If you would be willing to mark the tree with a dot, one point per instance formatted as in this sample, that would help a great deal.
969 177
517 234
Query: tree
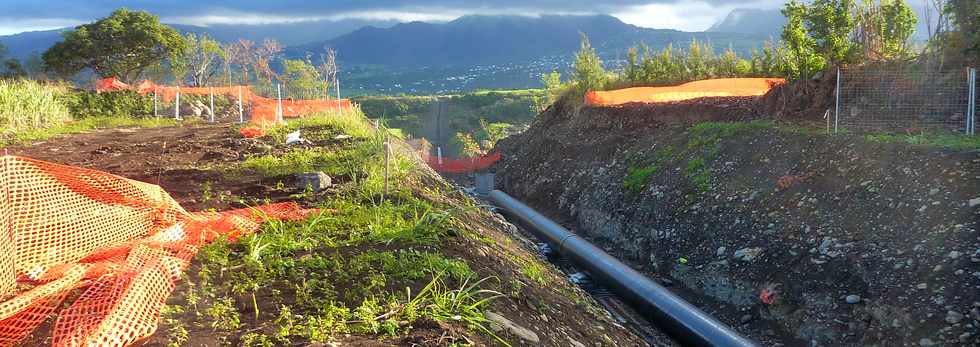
884 29
300 74
34 66
464 145
830 24
802 58
964 17
588 71
121 45
328 70
201 57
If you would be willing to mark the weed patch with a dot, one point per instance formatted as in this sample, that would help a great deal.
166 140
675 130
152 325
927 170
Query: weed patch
952 141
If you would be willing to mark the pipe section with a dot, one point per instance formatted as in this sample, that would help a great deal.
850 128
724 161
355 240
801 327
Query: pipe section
678 318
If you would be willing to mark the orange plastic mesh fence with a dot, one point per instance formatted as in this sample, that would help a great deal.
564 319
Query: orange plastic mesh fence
123 242
686 91
264 110
462 165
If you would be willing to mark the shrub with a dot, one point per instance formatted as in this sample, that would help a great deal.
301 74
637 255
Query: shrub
26 104
83 104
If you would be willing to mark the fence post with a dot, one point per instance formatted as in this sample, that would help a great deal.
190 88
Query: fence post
177 105
439 155
279 106
211 93
837 102
241 111
971 112
155 115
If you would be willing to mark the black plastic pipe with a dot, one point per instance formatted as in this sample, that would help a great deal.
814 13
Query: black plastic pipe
676 317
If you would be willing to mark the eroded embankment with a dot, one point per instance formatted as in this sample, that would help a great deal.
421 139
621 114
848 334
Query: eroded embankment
790 235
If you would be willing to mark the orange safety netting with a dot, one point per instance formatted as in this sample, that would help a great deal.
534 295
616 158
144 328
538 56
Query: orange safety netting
110 84
122 243
264 110
462 165
686 91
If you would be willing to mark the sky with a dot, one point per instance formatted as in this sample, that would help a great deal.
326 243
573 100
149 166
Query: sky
688 15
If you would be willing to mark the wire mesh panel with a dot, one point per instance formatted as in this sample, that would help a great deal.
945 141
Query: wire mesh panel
904 98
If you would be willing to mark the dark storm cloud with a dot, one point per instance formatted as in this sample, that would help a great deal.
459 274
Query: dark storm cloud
89 9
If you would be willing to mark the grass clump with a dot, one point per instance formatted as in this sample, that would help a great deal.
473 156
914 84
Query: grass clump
26 104
638 175
637 178
952 141
704 143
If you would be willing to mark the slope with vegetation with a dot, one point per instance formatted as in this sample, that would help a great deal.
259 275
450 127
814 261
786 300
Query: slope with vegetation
398 256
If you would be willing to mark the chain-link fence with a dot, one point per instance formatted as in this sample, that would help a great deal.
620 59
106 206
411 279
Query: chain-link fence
906 98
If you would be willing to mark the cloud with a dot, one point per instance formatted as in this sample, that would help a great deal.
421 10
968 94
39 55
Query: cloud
678 14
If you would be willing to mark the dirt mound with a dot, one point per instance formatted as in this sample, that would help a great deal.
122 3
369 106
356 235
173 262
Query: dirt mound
791 236
195 164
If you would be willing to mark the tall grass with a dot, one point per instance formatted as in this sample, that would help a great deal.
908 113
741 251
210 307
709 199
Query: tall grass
26 104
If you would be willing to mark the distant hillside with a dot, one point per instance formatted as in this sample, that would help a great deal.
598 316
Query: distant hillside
752 21
23 44
481 40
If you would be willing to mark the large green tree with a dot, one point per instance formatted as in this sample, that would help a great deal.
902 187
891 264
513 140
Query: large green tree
831 23
121 45
802 58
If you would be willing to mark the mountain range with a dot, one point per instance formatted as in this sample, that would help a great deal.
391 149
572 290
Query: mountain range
471 52
478 40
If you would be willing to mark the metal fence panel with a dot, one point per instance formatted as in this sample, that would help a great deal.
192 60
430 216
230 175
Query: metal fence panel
906 98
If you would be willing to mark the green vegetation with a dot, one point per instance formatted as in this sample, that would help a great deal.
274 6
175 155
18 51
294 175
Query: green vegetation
637 178
122 45
84 104
638 173
10 68
32 111
29 105
364 265
952 141
485 115
704 145
588 71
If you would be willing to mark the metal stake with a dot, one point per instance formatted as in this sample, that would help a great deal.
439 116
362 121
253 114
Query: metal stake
177 106
837 102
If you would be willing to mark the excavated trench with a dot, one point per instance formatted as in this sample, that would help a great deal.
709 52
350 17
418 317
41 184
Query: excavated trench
791 236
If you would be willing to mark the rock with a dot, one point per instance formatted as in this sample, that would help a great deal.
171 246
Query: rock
721 251
748 254
934 191
926 342
974 202
852 299
953 317
505 324
575 343
745 319
922 286
955 254
964 337
317 181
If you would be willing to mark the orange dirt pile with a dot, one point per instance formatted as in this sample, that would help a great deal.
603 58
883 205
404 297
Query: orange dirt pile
691 90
